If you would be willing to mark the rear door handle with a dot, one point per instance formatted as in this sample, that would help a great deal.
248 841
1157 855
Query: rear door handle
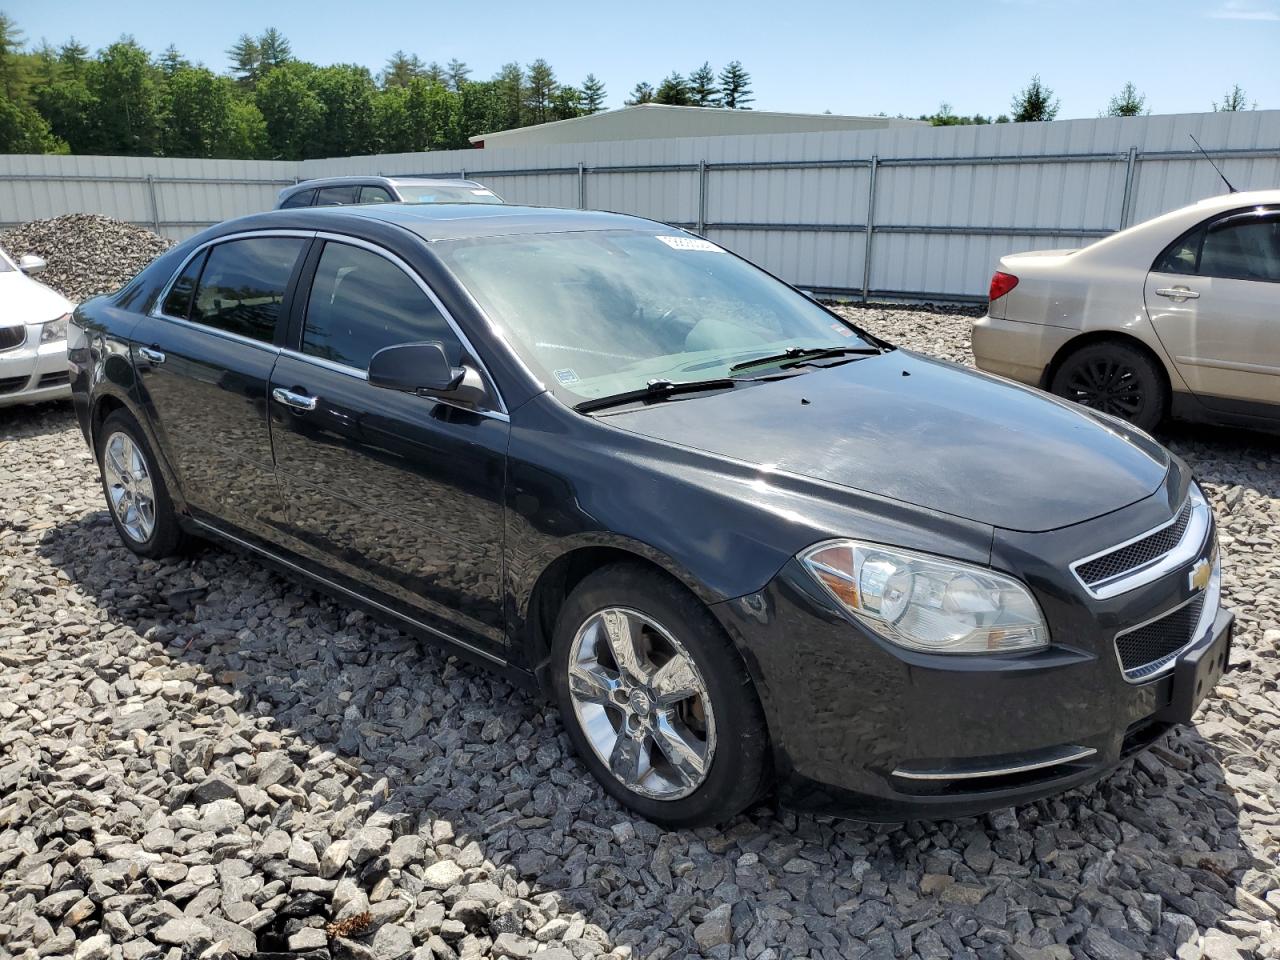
1178 293
151 355
298 401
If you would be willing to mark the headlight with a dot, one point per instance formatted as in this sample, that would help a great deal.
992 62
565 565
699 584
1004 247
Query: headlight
928 603
55 329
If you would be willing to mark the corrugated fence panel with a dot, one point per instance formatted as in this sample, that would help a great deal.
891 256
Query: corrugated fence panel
948 201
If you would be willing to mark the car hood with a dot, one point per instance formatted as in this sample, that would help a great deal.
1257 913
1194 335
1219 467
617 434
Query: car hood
923 432
23 300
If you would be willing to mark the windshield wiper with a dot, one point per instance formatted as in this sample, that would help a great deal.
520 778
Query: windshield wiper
657 390
793 356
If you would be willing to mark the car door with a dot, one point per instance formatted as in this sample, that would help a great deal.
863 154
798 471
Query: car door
398 493
204 357
1214 299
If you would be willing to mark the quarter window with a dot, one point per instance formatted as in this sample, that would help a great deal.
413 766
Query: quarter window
361 302
1181 255
1243 248
375 194
243 285
336 196
178 302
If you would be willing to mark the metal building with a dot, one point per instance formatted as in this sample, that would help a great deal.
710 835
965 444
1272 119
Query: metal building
656 121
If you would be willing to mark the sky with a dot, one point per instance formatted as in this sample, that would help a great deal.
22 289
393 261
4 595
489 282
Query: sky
851 57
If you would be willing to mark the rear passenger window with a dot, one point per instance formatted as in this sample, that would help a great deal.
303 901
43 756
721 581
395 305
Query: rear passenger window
1243 248
375 194
361 302
178 302
302 198
336 196
243 285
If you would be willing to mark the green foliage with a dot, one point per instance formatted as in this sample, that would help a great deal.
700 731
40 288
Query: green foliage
946 118
1234 99
23 130
673 91
540 89
703 91
123 82
1034 102
400 69
641 93
735 87
457 72
593 94
291 109
1127 103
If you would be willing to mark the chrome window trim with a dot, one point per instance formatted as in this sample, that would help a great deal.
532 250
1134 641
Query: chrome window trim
1186 549
1069 755
478 651
431 295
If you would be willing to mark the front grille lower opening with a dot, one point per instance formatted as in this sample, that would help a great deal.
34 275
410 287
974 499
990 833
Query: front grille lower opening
1149 647
10 384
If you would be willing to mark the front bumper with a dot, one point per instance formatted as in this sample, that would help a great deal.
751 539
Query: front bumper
1016 349
864 729
34 371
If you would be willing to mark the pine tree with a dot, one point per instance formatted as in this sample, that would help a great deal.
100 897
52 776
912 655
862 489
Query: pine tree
273 49
12 67
400 69
1128 103
641 93
735 87
593 94
509 87
1035 102
703 91
1234 100
673 91
246 60
435 74
458 73
73 55
540 91
171 61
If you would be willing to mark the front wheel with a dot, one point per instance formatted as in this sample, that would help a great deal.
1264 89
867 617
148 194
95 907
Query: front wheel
1115 378
656 700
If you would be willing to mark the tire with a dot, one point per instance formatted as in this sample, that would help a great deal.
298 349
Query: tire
147 525
693 760
1115 378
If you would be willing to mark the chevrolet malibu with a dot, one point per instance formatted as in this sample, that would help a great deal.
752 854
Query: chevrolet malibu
744 544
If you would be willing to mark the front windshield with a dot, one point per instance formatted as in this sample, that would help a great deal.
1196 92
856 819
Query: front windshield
437 193
598 313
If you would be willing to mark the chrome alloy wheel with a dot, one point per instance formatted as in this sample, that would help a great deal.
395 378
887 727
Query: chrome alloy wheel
642 704
129 487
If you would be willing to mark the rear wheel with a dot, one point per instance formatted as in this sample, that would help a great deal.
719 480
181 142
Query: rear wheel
656 700
136 494
1115 378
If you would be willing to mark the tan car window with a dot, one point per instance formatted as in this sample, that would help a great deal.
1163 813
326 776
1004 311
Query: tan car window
1243 250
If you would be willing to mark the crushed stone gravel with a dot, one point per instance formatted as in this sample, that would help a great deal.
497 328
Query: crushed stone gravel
87 254
201 758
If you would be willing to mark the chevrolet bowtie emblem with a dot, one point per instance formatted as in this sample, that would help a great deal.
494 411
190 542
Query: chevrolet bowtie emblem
1200 573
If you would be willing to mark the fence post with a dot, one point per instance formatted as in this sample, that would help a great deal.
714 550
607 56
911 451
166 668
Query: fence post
462 173
871 223
702 198
582 186
1129 169
155 206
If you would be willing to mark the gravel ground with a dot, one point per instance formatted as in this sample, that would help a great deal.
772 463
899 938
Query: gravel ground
200 758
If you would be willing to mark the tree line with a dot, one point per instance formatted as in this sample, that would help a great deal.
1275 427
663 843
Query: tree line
1036 101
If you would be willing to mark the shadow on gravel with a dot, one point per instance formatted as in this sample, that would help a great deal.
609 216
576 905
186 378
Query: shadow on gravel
36 419
1137 865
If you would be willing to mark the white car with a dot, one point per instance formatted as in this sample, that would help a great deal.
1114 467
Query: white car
1178 316
33 335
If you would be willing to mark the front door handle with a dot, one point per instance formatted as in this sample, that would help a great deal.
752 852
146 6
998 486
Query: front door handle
1178 293
151 355
298 401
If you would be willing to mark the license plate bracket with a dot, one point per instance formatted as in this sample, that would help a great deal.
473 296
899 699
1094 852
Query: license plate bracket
1197 672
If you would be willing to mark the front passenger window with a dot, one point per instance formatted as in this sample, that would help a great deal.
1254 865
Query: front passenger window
361 302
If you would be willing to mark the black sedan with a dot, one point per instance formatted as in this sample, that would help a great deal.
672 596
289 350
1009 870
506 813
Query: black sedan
742 542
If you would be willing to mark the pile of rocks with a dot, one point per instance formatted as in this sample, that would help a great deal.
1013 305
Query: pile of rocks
198 759
87 254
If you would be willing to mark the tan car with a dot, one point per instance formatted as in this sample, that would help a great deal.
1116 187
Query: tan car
1177 316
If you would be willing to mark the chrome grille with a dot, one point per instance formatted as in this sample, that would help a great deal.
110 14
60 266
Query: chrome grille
1137 554
11 337
1145 649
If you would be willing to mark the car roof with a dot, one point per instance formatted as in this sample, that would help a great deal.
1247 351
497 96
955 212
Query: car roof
377 179
453 221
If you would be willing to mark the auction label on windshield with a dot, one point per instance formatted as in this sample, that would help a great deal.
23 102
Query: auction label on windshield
691 243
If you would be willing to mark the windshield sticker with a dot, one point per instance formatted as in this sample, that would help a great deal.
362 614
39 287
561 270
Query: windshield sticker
566 376
841 329
691 243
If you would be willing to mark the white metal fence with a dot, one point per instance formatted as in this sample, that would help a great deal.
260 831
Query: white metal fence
912 212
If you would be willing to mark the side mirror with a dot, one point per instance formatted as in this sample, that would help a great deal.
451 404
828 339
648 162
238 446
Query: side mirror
423 368
30 264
